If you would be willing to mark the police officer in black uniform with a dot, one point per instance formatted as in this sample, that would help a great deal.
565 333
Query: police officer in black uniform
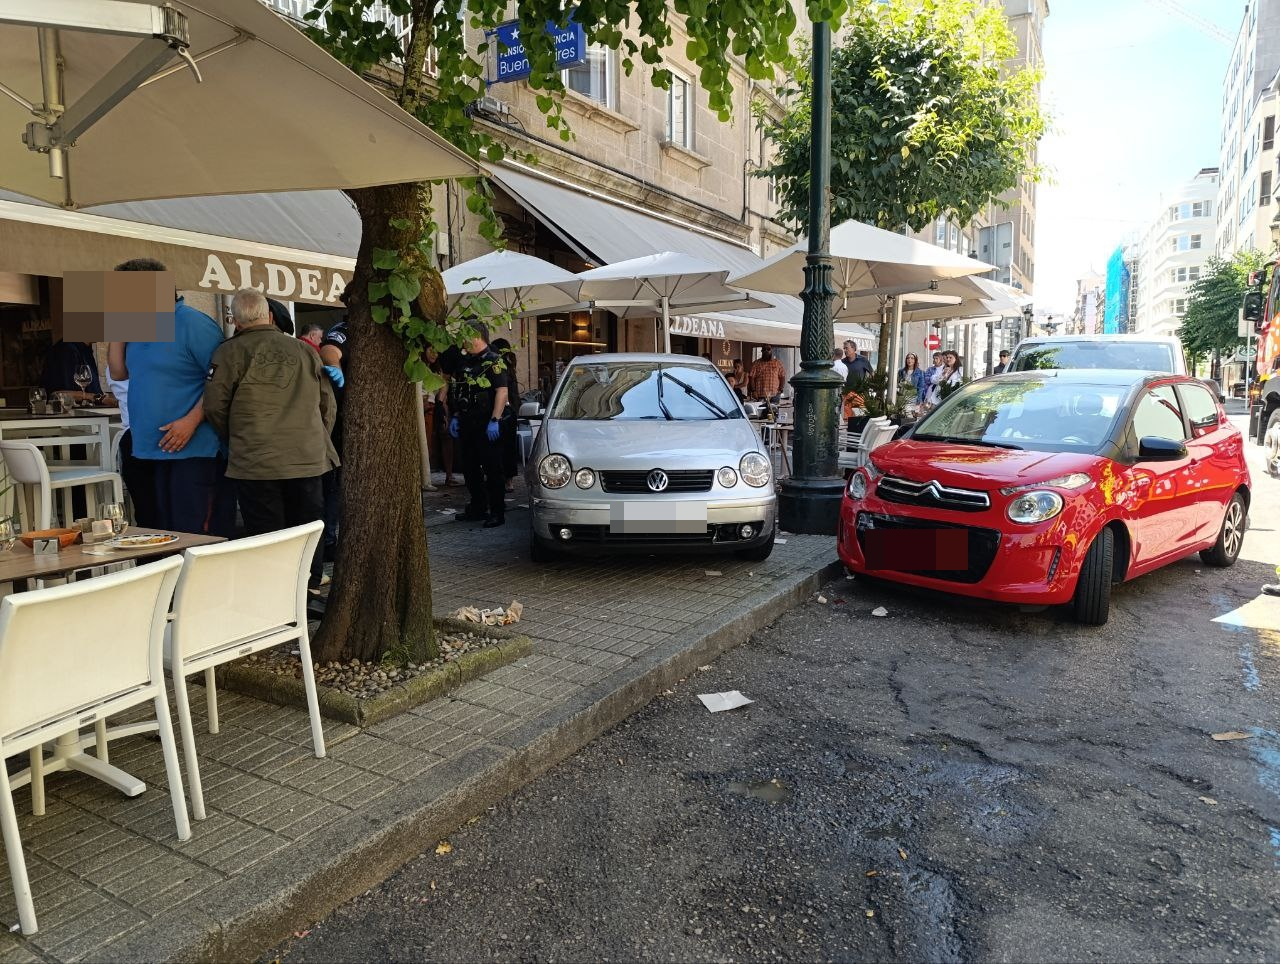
476 416
335 353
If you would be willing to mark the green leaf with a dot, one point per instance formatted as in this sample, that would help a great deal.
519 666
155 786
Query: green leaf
403 289
386 259
401 224
380 313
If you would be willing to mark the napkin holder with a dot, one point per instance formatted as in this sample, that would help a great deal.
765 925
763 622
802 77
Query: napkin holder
96 538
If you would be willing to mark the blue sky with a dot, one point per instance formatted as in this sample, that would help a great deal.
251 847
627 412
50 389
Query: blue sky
1134 94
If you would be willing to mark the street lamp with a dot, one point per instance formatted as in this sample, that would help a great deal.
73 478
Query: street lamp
810 498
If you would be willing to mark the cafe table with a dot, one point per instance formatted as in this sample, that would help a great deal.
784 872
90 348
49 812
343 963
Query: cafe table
20 566
89 427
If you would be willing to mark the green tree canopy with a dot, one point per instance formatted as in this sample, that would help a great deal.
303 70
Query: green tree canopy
927 119
1213 307
380 602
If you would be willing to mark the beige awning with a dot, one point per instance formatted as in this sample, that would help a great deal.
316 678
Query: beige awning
37 240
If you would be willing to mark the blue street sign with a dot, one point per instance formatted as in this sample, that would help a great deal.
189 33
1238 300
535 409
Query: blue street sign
513 62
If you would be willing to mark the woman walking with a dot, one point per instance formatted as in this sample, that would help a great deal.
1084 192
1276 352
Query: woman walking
911 373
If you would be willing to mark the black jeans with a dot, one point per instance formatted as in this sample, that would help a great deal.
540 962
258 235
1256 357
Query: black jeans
140 480
268 505
482 464
194 495
331 484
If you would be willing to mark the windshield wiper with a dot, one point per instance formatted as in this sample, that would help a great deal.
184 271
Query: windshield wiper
662 404
967 441
690 390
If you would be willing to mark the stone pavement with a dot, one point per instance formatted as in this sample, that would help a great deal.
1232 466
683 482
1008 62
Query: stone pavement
289 837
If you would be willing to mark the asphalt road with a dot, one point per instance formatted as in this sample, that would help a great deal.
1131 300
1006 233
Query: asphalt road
950 782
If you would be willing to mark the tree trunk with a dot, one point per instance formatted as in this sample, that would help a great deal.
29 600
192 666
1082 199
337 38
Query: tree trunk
882 352
380 600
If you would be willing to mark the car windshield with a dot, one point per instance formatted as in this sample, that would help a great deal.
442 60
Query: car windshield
639 390
1143 356
1038 414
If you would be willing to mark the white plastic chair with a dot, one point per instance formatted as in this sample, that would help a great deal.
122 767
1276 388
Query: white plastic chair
54 680
28 469
233 599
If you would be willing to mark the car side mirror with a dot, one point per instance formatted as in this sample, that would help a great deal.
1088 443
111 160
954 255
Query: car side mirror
1152 448
1253 306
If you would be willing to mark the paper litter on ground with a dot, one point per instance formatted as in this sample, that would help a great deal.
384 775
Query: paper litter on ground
491 617
712 572
1231 735
448 511
879 611
779 542
719 702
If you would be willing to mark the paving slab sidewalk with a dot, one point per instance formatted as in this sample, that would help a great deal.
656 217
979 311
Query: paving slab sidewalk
289 837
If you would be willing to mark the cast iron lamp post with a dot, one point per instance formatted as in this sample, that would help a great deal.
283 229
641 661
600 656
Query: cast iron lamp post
810 499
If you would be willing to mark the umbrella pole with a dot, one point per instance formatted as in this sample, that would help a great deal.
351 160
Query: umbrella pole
424 447
895 343
666 324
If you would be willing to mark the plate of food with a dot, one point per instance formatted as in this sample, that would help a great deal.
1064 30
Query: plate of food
143 540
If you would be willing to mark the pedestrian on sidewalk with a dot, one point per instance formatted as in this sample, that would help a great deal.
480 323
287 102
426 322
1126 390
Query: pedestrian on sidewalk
476 413
859 365
335 353
911 373
1004 363
837 363
949 375
166 419
269 397
510 438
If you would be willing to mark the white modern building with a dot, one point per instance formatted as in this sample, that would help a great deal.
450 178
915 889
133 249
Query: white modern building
1250 104
1091 297
1173 252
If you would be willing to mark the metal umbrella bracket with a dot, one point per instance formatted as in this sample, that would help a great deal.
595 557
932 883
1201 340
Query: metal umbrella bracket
162 33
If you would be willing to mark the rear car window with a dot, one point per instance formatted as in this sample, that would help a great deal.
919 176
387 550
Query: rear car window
1145 356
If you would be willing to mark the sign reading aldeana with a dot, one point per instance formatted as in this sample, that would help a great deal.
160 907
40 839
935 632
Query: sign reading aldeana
513 61
697 327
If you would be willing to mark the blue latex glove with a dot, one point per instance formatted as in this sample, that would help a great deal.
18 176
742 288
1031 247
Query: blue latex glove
493 431
453 427
335 375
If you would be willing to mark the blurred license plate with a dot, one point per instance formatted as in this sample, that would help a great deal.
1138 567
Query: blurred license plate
658 516
916 550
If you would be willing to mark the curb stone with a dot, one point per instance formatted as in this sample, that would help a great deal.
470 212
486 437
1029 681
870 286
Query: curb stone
288 891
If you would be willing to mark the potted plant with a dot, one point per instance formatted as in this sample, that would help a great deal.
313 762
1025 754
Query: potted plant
868 397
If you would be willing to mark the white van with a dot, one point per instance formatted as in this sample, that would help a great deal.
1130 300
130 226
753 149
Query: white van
1147 353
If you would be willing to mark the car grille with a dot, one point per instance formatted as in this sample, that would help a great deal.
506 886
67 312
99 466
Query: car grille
983 544
715 535
932 495
678 480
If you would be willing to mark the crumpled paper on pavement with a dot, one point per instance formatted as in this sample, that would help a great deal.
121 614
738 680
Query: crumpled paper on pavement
491 617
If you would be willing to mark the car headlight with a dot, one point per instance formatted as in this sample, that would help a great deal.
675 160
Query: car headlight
755 469
1032 507
727 477
554 471
585 478
857 485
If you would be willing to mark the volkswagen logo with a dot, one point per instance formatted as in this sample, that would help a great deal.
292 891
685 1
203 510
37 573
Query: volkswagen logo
657 481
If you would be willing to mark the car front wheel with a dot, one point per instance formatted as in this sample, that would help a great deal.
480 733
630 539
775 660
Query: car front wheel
757 553
1230 537
540 552
1092 602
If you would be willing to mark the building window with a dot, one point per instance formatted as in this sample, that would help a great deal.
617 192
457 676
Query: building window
1193 274
955 238
1268 133
595 77
1195 242
1264 195
940 234
1180 306
680 112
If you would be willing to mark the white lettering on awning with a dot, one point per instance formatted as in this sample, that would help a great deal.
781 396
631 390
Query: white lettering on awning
316 285
697 327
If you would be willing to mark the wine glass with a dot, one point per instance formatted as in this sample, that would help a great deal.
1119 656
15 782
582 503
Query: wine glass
83 377
7 535
115 512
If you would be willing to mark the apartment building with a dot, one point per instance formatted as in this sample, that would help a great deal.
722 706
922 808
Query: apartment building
1250 104
1173 252
1090 306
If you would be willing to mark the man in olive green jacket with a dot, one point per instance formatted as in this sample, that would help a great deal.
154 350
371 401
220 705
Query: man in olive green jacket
268 396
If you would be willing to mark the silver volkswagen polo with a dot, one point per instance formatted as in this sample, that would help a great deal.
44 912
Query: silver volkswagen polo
649 453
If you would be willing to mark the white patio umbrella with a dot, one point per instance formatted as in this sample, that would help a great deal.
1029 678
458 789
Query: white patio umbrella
190 98
658 284
517 283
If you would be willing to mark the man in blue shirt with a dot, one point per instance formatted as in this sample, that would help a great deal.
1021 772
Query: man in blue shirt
166 419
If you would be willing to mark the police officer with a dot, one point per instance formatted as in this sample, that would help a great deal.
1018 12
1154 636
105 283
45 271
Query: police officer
476 421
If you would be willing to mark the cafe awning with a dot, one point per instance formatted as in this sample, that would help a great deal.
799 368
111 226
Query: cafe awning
604 231
298 246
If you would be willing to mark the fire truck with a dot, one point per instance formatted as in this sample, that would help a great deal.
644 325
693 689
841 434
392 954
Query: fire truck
1258 314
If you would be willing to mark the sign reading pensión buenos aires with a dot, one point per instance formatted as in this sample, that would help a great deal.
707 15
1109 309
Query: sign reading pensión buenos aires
697 327
512 61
